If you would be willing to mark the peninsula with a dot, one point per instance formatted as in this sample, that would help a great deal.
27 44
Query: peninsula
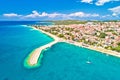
35 55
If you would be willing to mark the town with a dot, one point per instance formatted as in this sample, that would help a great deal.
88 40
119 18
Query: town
98 34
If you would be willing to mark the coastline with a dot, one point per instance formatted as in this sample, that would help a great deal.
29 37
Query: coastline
99 49
34 58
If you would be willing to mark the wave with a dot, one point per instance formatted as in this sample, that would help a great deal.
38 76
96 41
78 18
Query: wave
25 25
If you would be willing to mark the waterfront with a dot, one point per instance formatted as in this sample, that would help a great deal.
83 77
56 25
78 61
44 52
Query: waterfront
61 61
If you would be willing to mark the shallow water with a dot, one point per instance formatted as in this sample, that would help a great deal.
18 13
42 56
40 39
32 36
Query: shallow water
60 62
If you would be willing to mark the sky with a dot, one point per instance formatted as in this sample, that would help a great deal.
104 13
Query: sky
59 10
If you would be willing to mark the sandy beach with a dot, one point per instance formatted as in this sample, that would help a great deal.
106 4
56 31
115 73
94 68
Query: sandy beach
100 49
33 60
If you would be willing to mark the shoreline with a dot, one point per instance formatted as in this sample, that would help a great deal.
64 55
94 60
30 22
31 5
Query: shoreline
99 49
27 63
34 58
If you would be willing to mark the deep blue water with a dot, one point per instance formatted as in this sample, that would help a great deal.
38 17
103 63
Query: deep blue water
60 62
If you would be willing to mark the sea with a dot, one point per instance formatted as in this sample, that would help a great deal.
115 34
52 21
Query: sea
62 61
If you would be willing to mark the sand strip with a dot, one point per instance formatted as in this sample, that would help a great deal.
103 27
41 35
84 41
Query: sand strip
34 57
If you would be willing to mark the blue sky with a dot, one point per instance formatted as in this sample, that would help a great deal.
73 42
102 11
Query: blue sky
59 9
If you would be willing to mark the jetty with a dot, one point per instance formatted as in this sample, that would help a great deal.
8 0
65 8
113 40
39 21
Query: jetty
35 54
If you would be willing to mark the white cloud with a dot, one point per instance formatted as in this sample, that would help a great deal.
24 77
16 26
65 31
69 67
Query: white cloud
11 15
102 2
33 15
95 15
53 15
44 15
82 14
98 2
115 10
36 14
77 14
87 1
106 16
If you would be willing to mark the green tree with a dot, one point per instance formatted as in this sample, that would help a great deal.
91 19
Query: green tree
116 48
102 35
61 35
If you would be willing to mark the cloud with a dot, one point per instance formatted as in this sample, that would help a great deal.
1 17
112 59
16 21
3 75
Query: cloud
98 2
82 14
53 15
36 14
106 16
87 1
44 15
11 15
102 2
115 10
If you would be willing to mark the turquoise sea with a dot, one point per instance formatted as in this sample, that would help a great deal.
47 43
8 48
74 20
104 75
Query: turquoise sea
60 62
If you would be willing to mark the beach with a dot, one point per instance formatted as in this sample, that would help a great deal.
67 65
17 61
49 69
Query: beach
34 57
35 54
100 49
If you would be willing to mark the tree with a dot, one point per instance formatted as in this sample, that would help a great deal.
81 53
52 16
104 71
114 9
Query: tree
61 35
102 35
116 48
118 44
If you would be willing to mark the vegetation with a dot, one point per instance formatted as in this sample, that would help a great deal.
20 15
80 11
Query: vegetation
68 22
55 33
61 35
110 31
114 33
102 35
118 44
112 21
116 48
109 47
